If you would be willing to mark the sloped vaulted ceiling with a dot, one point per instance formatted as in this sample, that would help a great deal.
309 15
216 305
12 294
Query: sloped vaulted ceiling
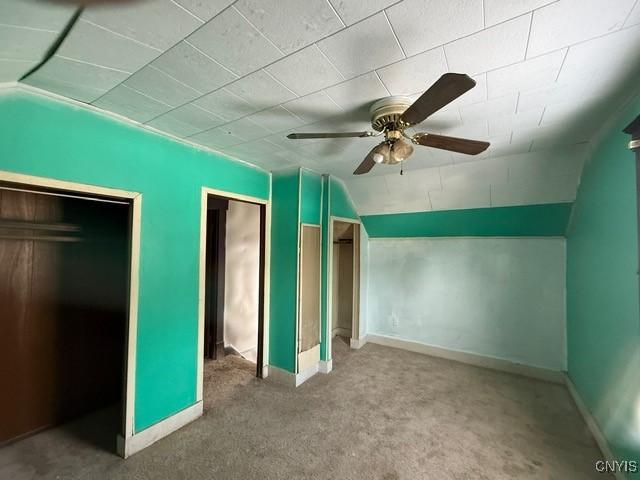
238 76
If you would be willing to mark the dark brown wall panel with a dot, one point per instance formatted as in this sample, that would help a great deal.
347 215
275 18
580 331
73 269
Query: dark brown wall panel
63 310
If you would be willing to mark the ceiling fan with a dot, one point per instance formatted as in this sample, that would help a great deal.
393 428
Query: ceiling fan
392 115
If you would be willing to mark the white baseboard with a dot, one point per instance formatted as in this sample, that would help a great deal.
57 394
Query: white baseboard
141 440
601 440
343 332
358 343
470 358
325 366
289 379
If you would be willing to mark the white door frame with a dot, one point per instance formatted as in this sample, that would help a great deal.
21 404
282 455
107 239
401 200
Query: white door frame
355 317
206 191
134 267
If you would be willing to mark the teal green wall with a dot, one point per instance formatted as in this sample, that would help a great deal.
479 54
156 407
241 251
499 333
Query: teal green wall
47 138
603 313
285 188
310 197
339 201
521 221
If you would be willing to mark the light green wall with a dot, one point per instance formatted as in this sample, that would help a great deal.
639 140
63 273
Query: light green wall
340 204
43 137
603 313
520 221
310 197
285 190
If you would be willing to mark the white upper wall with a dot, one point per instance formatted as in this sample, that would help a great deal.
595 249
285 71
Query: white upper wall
497 297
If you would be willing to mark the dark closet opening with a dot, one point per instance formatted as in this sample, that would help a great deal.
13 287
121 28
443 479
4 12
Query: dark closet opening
219 258
64 297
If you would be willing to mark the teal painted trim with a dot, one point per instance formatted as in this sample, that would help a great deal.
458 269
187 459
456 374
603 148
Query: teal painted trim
340 202
324 267
49 138
549 220
311 197
284 269
603 306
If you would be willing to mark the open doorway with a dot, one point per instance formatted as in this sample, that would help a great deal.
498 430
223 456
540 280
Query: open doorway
65 261
345 285
234 295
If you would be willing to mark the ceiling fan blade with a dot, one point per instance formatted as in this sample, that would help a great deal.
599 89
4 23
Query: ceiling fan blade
368 163
446 89
300 136
453 144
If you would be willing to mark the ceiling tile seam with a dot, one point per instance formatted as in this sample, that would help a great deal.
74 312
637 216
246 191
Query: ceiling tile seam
147 96
290 112
383 84
279 83
336 13
229 92
484 16
330 62
221 128
211 58
446 60
174 79
187 11
25 27
626 19
104 67
544 110
517 104
564 58
259 31
404 54
121 35
208 112
526 48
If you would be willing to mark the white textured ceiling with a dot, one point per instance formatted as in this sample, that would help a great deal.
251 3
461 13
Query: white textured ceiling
239 76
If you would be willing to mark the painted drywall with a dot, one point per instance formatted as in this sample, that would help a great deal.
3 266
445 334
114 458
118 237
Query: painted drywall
285 215
519 221
603 312
498 297
49 138
242 278
340 204
310 197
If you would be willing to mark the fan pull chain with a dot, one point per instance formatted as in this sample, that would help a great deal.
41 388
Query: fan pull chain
401 171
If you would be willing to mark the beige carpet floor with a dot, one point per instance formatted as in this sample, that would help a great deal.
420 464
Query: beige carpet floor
381 414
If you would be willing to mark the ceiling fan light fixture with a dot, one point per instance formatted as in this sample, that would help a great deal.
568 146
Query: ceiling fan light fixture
401 150
381 153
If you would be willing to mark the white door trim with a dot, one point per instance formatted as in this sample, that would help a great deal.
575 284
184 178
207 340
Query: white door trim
206 191
355 320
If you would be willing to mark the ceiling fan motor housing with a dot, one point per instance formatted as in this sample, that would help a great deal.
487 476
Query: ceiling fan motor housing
387 111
